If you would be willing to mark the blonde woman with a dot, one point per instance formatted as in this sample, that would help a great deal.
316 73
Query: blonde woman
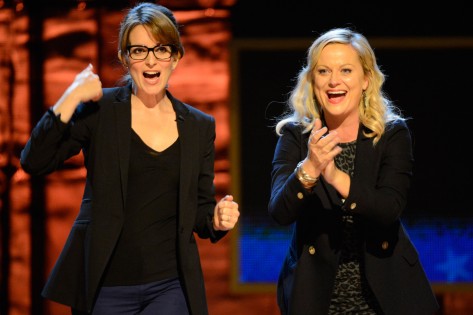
341 171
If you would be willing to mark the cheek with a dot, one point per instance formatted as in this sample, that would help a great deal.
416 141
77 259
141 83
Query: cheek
319 95
318 82
354 83
134 66
133 70
167 70
319 89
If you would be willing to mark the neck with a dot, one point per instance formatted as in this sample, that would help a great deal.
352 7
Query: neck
347 129
152 101
162 105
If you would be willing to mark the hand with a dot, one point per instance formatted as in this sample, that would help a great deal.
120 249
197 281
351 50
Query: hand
226 214
322 150
87 85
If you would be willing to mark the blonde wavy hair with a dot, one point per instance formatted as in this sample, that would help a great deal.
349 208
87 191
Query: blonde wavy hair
375 108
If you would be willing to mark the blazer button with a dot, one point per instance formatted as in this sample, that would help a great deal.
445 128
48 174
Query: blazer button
353 205
385 245
311 250
300 195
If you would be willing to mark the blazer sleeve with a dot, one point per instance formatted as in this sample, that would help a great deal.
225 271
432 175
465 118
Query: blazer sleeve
52 141
206 188
288 197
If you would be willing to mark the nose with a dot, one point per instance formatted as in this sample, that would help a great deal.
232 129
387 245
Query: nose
151 59
334 78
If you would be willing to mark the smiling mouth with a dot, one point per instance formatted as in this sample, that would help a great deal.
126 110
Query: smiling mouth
150 75
335 94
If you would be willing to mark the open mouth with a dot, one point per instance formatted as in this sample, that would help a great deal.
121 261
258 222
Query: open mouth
335 94
150 75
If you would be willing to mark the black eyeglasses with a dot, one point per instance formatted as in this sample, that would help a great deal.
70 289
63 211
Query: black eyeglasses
140 52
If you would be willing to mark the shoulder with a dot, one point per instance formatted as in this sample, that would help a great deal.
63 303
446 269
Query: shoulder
185 111
199 114
119 93
113 90
396 125
292 128
111 96
397 133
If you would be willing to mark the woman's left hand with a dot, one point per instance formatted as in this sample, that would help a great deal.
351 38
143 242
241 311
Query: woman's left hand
226 214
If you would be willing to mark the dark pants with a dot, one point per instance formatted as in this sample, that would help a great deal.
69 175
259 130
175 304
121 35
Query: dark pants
162 297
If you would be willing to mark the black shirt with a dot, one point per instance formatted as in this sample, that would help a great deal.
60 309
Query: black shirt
146 249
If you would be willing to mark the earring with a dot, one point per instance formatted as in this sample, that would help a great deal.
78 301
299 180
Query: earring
365 100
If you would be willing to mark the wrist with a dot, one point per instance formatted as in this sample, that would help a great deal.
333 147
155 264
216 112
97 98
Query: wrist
306 180
214 223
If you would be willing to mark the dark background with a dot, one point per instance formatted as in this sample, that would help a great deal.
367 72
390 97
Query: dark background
431 82
273 19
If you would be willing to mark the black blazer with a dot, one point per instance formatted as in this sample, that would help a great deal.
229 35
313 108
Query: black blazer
378 195
102 130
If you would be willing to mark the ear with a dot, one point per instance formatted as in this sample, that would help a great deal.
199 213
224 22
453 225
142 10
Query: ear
123 62
175 61
366 82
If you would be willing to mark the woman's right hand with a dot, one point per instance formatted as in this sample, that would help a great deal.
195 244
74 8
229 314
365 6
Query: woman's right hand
322 149
86 87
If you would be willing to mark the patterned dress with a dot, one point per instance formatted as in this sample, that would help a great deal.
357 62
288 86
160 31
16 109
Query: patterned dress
351 294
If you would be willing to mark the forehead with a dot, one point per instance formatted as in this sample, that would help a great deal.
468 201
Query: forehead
141 34
339 53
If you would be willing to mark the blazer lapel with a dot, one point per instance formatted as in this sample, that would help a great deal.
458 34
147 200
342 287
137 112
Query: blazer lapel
189 148
188 143
123 132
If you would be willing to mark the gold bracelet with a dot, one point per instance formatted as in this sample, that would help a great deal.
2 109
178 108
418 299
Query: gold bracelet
306 180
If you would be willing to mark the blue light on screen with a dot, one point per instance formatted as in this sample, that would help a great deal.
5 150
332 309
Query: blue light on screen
445 247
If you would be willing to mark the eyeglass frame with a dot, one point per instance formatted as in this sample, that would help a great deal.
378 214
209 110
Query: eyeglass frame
173 50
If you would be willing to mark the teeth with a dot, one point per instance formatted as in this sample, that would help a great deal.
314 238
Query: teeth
151 74
338 93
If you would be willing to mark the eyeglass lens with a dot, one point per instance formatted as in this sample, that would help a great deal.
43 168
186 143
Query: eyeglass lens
161 52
